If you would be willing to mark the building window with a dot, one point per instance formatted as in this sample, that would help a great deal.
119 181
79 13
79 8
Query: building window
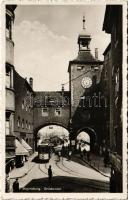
105 74
115 28
29 126
22 124
18 122
113 71
44 112
8 27
23 104
58 112
8 77
117 83
7 123
26 124
7 127
26 108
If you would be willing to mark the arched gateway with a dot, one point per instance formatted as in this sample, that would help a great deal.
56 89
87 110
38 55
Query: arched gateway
51 108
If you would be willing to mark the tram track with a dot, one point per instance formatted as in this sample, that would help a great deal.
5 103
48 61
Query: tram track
57 164
39 167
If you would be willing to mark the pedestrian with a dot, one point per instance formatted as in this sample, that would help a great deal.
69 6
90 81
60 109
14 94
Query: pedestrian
16 185
84 153
88 156
50 174
69 154
112 181
59 155
7 188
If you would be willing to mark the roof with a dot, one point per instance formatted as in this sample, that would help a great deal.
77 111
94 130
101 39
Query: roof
85 57
110 17
20 82
84 33
107 49
51 98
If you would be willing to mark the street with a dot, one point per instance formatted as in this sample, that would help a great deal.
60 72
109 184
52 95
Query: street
68 176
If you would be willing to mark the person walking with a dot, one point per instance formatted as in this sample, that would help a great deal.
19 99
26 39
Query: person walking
16 185
7 188
50 175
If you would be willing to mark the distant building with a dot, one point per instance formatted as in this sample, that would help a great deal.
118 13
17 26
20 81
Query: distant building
84 79
10 93
23 126
113 25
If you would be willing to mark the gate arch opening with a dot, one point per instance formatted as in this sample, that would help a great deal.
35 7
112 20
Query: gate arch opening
83 141
87 137
53 134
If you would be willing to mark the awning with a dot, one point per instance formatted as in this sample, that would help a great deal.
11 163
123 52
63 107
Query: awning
25 145
20 150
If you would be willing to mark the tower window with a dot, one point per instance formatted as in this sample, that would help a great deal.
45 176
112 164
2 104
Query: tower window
44 112
79 68
58 112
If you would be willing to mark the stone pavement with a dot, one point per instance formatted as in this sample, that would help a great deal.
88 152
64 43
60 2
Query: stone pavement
97 163
22 171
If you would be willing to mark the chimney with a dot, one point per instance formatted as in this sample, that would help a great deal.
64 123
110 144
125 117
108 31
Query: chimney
31 82
96 53
62 89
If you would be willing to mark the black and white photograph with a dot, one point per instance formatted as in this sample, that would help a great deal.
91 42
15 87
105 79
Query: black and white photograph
65 75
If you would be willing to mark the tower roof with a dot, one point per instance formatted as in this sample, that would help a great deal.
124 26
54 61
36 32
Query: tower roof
85 57
84 34
84 54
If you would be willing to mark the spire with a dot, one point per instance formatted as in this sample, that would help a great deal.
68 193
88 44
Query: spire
83 22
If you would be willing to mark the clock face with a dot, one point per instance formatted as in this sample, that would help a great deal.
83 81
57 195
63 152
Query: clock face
86 82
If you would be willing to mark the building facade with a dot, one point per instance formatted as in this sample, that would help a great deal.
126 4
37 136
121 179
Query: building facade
23 119
10 93
106 85
113 26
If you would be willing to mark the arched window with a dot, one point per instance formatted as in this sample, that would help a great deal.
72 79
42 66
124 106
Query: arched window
23 123
18 122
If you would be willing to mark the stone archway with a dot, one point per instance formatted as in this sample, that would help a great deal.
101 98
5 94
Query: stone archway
44 126
92 137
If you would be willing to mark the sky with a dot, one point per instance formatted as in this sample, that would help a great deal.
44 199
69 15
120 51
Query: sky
45 38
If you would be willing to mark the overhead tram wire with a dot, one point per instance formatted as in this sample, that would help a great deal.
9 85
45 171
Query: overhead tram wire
76 77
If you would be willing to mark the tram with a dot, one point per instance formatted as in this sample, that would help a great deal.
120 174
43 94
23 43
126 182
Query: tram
44 151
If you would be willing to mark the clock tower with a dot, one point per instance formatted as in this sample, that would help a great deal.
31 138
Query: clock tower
84 74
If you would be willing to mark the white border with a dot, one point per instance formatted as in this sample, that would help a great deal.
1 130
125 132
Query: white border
57 196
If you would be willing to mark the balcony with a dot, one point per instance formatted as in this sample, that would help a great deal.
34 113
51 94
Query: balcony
9 51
